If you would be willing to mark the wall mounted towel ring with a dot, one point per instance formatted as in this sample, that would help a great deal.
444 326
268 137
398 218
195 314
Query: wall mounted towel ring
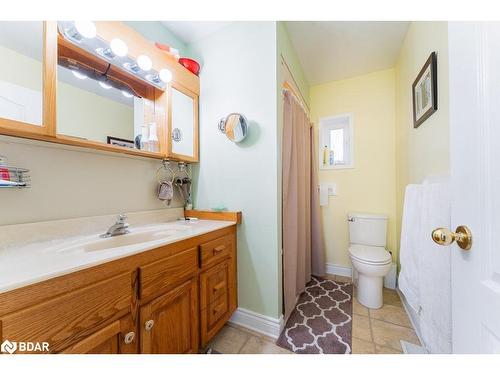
235 126
165 168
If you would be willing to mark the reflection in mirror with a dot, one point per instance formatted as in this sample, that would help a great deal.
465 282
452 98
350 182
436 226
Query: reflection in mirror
21 71
183 123
94 105
235 126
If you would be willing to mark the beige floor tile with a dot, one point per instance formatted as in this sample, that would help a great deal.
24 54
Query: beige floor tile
343 279
362 346
258 345
391 314
361 327
329 277
385 350
387 334
229 340
391 297
358 308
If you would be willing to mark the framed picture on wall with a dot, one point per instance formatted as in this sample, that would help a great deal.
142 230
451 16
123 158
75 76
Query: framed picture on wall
120 142
424 91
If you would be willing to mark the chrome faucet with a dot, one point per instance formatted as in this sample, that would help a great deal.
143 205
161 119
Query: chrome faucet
118 228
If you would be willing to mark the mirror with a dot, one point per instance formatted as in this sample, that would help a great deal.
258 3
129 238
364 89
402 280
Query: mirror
21 71
183 123
99 104
235 126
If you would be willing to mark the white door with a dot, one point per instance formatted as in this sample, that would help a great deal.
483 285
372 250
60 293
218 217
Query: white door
474 59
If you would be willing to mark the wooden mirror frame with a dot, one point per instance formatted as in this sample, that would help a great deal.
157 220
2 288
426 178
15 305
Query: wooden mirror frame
157 103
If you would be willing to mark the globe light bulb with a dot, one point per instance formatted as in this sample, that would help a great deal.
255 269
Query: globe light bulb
119 47
144 62
165 75
86 29
79 75
104 85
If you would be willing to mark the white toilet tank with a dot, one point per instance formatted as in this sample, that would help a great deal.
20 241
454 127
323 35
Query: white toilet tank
367 229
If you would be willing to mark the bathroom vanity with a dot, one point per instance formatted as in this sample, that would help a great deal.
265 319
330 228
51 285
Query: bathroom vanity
166 288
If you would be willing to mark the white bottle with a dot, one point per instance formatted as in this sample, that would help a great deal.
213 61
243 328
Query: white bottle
153 138
144 138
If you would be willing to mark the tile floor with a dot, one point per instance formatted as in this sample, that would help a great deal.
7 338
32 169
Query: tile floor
373 331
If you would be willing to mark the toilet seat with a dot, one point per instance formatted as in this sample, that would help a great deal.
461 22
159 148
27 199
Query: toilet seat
370 254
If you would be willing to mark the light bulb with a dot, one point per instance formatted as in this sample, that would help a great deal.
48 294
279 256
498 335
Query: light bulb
86 28
119 47
165 75
104 85
126 94
79 75
144 62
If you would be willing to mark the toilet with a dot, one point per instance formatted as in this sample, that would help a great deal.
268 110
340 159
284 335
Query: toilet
370 260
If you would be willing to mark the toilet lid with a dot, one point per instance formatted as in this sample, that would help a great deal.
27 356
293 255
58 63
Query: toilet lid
370 254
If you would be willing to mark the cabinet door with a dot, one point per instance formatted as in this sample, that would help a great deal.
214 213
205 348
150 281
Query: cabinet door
169 323
183 124
27 64
115 338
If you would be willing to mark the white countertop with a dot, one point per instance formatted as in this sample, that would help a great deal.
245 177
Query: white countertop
23 265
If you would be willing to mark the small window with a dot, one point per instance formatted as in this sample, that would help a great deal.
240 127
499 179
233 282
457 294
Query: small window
336 142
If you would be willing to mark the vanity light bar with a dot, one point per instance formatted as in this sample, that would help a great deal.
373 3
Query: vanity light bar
115 52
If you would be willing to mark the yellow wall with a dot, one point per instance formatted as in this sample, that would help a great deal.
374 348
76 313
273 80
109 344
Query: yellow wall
423 151
371 185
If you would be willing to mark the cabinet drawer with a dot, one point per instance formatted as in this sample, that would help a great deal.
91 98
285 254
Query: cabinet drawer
214 317
68 318
214 251
161 275
214 283
217 310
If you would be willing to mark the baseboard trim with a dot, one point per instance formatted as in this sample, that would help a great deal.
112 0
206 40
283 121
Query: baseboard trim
263 324
335 269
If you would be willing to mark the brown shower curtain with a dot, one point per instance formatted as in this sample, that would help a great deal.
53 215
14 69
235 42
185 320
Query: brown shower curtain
303 249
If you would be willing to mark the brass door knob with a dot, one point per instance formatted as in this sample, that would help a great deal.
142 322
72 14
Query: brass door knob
462 235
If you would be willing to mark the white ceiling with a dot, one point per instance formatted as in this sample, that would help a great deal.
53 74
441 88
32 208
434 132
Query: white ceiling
191 32
330 51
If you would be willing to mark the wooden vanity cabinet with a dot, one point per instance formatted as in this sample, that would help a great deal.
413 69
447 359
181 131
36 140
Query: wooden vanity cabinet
165 300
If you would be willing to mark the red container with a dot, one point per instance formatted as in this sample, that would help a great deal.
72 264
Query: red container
190 65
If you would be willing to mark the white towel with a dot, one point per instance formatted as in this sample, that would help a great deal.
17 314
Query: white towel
409 254
435 270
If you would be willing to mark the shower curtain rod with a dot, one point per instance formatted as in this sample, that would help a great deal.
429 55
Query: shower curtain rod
298 94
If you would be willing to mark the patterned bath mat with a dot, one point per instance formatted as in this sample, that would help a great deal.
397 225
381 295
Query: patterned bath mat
321 321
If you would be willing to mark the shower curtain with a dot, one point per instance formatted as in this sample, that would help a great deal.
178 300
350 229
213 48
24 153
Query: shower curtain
303 248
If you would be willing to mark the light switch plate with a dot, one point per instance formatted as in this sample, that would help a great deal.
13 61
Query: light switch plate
332 188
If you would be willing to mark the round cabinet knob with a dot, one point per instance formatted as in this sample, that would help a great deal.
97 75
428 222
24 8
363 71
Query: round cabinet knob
149 325
129 337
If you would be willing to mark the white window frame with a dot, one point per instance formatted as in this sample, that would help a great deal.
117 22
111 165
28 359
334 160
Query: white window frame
326 125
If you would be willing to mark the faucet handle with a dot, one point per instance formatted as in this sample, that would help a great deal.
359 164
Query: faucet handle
121 218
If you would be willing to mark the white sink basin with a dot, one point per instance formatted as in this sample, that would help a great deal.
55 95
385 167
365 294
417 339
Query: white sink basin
136 236
128 239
